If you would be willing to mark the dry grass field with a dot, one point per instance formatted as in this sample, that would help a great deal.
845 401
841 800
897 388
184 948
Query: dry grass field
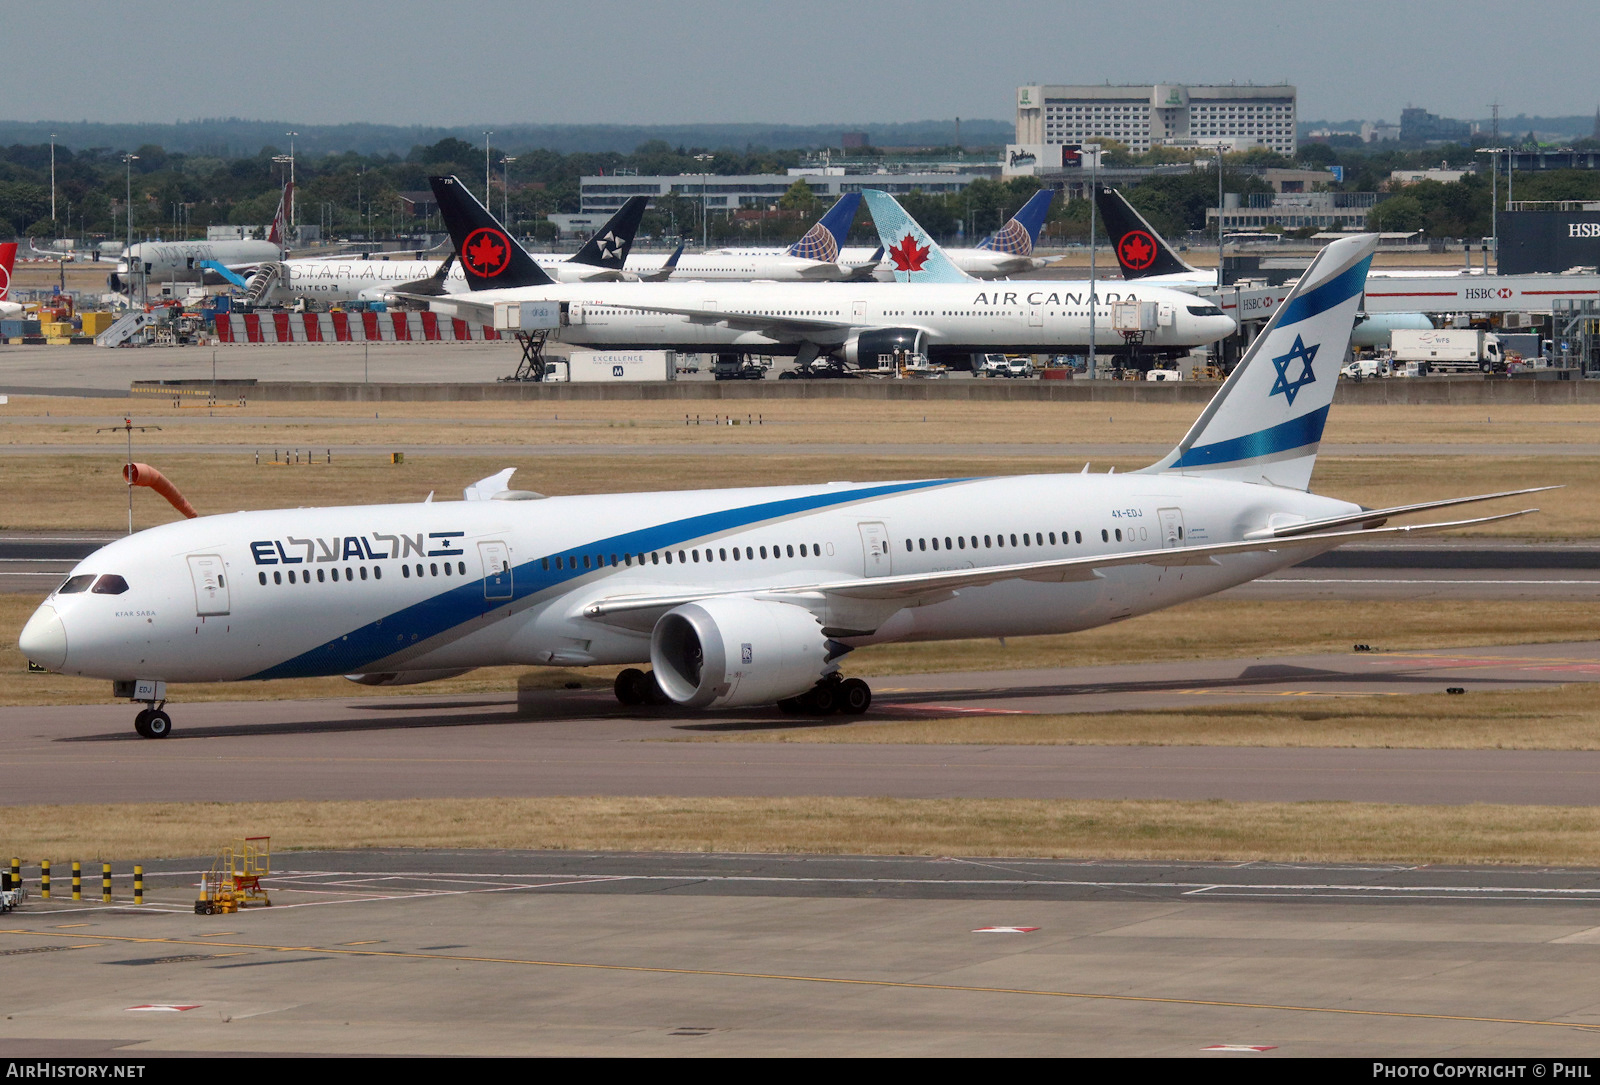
61 420
1319 832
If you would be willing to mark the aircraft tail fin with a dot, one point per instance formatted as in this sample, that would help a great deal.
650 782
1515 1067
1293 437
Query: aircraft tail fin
8 260
489 258
916 257
610 245
1265 424
1140 250
279 234
1021 233
824 240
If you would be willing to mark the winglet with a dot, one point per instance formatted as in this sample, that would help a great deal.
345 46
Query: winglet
916 257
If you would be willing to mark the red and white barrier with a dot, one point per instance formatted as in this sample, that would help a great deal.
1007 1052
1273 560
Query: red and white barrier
343 327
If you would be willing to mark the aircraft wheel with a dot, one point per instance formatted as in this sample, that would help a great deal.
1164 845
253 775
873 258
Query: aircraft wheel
855 696
141 722
824 699
159 725
630 687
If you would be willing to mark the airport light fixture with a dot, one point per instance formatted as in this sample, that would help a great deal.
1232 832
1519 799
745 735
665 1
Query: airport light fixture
704 226
293 222
1220 202
1093 150
1494 154
53 178
505 189
487 133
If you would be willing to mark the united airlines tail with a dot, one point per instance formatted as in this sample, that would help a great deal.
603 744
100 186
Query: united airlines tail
1140 250
824 240
1265 423
489 258
610 246
913 254
1021 233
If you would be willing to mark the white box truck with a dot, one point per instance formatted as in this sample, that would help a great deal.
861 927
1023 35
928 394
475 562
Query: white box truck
1461 350
602 366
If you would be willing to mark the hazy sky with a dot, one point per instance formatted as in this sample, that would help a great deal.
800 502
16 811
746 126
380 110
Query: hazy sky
470 62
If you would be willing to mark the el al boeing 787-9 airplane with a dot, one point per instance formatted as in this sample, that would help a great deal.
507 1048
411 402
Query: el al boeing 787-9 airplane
740 597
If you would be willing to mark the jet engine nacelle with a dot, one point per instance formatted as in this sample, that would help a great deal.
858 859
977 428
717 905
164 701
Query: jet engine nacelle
869 349
729 653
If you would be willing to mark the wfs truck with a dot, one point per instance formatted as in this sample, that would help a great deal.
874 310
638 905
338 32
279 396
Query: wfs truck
1462 350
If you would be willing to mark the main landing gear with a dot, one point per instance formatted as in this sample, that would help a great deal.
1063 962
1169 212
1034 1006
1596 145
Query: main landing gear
635 687
850 696
153 722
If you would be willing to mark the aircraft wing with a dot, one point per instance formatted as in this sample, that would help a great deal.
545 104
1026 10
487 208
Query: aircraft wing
917 589
773 324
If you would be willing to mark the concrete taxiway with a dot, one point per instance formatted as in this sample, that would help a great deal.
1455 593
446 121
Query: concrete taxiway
580 742
406 953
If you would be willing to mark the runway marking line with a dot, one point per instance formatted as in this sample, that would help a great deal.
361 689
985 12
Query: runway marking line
903 985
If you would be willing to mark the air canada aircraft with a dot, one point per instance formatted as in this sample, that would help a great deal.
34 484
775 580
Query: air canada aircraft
343 278
736 598
939 312
1145 256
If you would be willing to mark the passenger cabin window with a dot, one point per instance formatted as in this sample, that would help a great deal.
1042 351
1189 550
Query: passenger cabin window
78 583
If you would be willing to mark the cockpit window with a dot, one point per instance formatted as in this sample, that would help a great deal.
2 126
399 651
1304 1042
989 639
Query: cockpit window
1204 310
110 584
76 583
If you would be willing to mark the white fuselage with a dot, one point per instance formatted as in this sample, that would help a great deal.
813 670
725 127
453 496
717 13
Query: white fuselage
979 263
179 261
1022 317
438 586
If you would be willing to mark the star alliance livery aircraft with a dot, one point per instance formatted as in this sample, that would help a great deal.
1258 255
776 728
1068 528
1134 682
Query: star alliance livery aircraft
736 598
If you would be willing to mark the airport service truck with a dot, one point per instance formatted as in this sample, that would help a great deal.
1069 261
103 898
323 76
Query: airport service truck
612 366
1462 350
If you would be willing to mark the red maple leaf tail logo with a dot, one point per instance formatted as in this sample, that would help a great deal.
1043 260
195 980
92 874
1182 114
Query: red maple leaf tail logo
908 255
484 255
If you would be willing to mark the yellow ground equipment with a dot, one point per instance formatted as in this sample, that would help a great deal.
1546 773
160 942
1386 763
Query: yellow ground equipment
234 880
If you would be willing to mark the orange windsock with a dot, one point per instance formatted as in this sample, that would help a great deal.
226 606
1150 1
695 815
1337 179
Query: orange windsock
142 474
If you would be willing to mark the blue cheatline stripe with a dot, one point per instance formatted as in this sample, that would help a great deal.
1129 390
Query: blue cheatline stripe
358 649
1341 288
1295 433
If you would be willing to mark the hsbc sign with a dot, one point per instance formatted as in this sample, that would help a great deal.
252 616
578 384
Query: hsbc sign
1549 242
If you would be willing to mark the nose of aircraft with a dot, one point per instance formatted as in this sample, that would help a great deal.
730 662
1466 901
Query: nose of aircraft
44 639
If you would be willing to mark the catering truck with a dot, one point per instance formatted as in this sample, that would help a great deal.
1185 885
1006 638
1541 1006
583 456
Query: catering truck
603 366
1457 350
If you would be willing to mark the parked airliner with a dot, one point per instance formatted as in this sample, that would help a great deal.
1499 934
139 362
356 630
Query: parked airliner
938 312
182 261
8 260
740 597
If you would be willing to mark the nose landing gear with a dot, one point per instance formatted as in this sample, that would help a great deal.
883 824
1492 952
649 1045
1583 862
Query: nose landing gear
153 722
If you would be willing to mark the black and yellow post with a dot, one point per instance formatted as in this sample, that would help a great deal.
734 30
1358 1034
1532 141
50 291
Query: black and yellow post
77 880
105 883
138 885
16 873
44 879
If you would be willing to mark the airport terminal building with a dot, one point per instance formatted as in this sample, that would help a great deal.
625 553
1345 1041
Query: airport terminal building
731 193
1142 117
